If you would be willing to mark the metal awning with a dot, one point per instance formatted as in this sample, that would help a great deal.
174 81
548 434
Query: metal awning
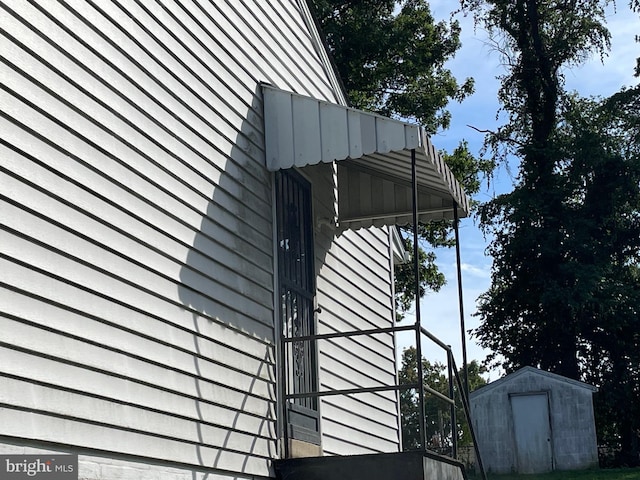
373 155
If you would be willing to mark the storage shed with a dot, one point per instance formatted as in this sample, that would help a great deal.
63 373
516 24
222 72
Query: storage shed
534 421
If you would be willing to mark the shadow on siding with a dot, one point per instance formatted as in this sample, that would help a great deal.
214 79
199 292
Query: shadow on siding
226 283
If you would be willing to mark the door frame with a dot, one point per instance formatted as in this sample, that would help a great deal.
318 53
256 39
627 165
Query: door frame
286 409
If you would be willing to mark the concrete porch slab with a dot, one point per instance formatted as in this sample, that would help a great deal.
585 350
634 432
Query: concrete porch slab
417 465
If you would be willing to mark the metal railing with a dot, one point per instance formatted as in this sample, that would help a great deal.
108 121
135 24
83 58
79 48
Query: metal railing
454 379
421 388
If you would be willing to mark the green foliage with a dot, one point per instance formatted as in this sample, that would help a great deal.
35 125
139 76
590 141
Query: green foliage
391 54
437 412
591 474
527 315
635 6
468 169
560 275
409 408
536 39
430 277
612 328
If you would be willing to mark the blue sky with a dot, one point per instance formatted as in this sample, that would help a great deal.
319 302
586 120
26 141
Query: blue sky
477 59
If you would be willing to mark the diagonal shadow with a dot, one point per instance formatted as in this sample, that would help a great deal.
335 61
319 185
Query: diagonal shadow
226 283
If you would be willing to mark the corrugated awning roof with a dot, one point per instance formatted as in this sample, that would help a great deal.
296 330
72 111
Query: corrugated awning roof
373 155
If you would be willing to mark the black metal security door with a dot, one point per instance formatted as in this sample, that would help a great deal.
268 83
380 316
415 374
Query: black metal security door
296 278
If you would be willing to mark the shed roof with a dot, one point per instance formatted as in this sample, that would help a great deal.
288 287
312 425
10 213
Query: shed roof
536 371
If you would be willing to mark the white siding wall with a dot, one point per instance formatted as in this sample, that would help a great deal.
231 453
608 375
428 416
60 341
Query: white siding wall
354 293
136 269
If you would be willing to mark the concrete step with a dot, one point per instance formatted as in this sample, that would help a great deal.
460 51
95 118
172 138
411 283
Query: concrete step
418 465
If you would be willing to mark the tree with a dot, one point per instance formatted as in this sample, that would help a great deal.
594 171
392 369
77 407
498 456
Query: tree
607 152
564 294
390 55
613 336
531 279
437 412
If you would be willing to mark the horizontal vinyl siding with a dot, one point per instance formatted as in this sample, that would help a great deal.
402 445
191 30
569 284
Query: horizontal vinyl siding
354 293
363 302
136 269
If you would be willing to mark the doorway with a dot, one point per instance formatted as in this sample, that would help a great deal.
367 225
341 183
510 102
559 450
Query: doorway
296 283
532 432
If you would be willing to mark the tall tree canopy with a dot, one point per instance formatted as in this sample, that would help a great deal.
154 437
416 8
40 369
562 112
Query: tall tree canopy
565 291
390 55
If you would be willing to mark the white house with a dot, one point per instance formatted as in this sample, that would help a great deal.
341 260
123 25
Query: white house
182 184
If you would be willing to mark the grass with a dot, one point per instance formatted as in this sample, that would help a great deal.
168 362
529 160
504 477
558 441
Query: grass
602 474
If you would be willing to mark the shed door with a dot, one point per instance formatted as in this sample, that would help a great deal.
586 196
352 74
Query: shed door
296 278
532 432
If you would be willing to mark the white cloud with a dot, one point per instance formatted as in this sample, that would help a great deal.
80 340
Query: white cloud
482 271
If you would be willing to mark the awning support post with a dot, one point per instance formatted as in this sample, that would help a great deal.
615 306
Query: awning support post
465 373
454 421
416 269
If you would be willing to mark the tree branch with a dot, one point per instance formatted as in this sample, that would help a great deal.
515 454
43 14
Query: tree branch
500 137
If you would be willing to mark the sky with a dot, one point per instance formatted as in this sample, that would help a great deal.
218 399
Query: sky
439 311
